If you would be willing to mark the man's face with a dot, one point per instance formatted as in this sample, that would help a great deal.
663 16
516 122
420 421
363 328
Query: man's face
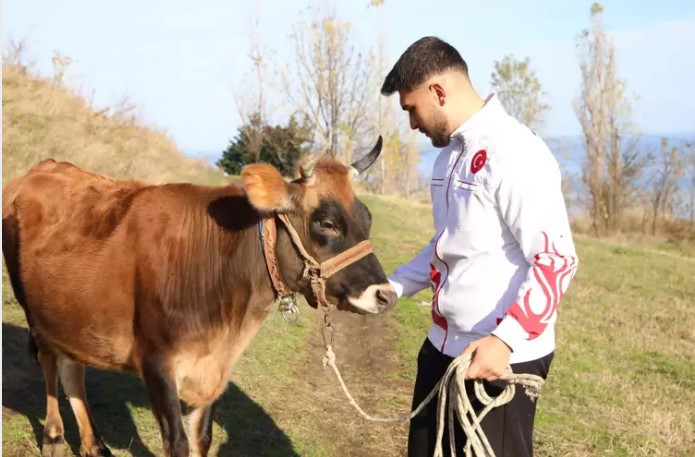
425 114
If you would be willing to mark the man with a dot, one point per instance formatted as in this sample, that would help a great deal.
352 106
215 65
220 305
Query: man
502 254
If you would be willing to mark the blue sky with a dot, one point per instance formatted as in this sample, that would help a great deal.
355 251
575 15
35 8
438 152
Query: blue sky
178 61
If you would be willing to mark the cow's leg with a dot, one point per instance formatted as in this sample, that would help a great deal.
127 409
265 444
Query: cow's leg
72 379
200 427
53 444
161 389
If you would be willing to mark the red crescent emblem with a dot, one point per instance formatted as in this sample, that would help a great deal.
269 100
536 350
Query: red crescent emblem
478 161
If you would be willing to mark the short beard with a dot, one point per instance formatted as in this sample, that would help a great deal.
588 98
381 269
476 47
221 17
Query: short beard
440 132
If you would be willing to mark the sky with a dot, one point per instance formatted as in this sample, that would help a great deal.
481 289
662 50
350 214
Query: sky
179 61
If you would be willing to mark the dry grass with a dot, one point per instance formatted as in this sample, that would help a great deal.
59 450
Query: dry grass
634 229
42 120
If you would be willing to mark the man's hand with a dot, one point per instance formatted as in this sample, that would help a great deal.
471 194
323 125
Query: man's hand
490 358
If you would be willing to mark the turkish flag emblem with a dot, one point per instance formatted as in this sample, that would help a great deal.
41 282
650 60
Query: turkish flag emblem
478 161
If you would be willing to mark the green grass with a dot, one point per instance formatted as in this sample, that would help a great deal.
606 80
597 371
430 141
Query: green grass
622 379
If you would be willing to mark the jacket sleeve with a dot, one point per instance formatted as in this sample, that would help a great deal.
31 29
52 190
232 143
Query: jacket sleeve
530 199
414 275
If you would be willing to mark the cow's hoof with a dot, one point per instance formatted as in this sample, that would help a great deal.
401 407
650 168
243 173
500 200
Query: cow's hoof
95 451
53 447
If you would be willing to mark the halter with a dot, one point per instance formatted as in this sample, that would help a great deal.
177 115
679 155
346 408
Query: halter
317 272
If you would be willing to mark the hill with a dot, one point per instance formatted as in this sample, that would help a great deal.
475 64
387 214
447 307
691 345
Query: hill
41 119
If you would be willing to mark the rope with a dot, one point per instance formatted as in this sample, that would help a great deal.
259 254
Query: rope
453 385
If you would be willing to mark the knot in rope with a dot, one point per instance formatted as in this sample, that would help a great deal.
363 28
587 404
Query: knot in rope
329 358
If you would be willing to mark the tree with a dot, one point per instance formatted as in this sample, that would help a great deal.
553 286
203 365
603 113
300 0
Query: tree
250 97
519 91
690 178
396 172
664 183
282 146
329 83
613 160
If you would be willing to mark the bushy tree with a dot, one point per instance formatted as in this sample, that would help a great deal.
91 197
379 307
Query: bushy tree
520 91
281 146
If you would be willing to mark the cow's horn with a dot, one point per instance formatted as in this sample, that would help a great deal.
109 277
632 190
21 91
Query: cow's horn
306 168
365 162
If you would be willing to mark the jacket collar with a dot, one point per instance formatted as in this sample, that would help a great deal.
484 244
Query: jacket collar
487 115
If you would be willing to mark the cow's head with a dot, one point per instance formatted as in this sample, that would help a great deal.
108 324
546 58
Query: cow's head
322 207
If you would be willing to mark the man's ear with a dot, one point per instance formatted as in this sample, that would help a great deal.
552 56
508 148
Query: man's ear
439 93
266 189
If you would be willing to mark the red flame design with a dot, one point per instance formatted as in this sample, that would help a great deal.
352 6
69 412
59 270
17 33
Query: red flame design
435 280
550 279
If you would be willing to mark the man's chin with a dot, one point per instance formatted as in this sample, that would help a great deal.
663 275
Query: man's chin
440 143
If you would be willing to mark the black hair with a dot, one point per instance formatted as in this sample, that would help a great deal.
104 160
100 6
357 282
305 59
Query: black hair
426 57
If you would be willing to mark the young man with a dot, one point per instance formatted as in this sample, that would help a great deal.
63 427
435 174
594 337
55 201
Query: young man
502 253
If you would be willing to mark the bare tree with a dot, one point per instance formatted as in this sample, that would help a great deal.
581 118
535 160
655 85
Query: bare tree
520 91
330 81
397 169
412 160
249 96
664 183
613 160
690 172
387 123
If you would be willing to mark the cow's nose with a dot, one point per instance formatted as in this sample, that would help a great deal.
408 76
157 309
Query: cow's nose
385 299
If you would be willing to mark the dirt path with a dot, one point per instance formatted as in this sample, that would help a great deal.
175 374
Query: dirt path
367 359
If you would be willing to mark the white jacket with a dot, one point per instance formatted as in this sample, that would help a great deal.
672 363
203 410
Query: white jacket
502 254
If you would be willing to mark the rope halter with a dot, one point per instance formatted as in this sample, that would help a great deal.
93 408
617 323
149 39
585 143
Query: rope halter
317 272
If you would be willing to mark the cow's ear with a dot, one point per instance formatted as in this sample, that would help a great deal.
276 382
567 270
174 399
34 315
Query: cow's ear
266 189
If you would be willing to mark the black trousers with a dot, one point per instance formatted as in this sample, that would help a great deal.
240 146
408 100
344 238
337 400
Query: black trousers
508 428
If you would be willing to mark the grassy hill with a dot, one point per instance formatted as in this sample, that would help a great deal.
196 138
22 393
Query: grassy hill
41 119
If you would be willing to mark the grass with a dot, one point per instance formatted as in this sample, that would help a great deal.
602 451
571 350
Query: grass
622 380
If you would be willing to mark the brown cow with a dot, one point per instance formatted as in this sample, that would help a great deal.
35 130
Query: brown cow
170 281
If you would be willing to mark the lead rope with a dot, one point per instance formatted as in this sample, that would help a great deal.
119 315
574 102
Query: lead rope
453 386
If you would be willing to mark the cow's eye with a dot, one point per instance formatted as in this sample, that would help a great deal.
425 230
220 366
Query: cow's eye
328 226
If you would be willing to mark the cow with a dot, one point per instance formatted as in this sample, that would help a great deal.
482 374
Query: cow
169 281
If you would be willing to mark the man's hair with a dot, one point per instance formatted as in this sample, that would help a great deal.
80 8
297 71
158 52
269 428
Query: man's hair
426 57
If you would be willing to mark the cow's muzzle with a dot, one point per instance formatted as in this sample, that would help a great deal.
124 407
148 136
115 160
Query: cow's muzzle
375 299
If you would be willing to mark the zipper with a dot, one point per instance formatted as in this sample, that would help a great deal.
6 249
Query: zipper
436 245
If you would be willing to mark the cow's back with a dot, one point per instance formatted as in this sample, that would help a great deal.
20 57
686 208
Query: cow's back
67 251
